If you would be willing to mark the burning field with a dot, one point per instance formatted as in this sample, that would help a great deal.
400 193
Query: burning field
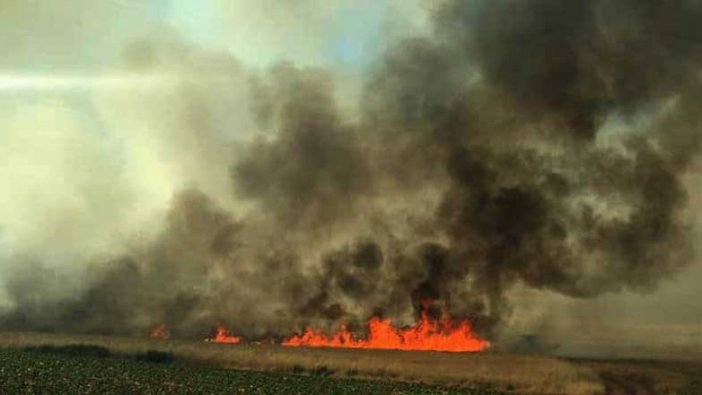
462 178
429 334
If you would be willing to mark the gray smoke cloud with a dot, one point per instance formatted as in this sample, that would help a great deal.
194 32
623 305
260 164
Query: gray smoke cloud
536 143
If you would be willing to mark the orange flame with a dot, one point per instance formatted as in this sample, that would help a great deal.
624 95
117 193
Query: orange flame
222 335
428 335
160 331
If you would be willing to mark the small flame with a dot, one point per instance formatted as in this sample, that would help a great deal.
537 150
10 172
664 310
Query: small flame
222 335
160 331
427 335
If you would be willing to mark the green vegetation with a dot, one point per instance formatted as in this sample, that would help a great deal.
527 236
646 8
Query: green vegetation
154 356
496 372
40 363
82 350
78 370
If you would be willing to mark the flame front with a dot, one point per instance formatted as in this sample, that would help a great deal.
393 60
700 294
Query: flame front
425 335
428 334
222 335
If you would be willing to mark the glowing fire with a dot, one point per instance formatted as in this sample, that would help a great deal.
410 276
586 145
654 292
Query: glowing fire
222 335
427 334
160 331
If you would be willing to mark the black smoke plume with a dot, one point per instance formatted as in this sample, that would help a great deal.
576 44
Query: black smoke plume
532 142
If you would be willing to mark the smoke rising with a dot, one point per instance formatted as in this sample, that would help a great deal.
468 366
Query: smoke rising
536 143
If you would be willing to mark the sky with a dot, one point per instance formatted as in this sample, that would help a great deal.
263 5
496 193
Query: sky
76 35
88 139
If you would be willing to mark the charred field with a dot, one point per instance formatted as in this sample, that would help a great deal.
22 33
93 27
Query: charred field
53 363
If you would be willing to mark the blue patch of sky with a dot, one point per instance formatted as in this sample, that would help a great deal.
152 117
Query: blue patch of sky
197 20
354 43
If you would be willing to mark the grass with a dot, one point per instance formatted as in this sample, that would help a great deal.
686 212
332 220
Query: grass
498 372
78 350
648 376
154 356
31 372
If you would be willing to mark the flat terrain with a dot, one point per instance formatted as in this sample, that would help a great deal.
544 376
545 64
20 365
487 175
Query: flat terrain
644 377
31 372
143 365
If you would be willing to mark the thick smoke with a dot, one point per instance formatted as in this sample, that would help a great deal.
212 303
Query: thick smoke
537 143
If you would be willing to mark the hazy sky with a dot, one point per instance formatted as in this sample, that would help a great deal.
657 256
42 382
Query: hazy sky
92 146
74 35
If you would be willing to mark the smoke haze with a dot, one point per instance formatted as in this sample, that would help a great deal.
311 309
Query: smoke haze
514 152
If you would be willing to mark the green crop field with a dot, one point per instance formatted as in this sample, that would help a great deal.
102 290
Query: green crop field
46 372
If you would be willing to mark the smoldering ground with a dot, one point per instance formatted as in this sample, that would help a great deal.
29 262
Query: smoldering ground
536 143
